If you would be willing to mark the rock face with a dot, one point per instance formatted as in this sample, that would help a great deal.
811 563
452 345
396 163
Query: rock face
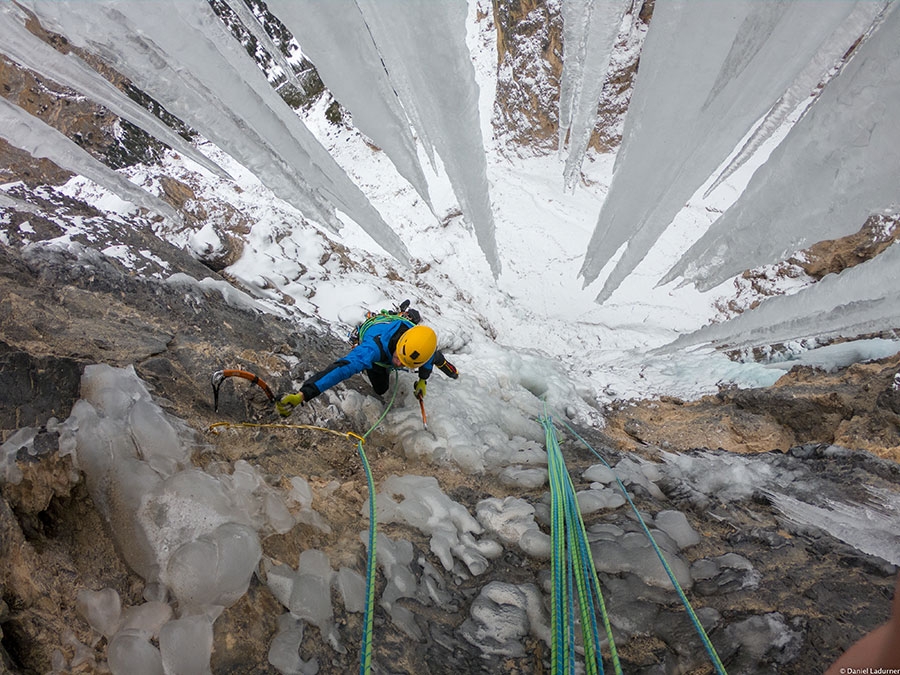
855 408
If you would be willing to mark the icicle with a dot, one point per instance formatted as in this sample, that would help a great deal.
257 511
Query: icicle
604 22
858 301
575 16
31 134
182 55
423 46
29 51
836 165
335 38
815 73
709 72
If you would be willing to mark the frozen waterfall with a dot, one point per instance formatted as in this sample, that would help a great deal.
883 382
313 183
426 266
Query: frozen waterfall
337 40
182 55
708 73
590 31
836 167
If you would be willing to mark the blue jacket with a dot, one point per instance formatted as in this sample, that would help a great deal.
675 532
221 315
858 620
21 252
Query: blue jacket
375 351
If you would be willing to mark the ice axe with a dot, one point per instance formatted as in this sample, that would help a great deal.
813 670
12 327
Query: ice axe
219 376
422 408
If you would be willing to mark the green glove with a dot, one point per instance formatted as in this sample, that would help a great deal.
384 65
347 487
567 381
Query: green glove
287 403
419 389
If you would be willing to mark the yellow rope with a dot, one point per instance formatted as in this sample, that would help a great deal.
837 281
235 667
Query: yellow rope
233 425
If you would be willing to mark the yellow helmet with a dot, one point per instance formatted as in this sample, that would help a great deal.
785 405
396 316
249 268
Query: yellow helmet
416 346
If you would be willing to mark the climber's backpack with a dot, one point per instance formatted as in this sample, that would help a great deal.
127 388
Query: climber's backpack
410 317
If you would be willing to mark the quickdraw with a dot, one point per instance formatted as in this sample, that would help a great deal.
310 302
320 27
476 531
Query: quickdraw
219 376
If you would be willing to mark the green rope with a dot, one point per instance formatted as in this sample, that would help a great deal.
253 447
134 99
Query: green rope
365 654
698 627
557 528
573 573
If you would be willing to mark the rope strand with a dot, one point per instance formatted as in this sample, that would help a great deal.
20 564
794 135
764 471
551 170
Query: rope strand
698 627
571 555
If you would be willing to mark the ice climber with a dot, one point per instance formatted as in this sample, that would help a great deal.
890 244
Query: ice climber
385 342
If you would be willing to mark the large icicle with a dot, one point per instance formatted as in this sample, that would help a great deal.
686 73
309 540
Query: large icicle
423 46
708 72
106 31
583 79
575 16
181 54
816 72
29 51
29 133
335 38
860 300
837 165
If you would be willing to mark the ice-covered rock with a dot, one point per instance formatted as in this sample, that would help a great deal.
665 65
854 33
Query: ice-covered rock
676 525
765 637
502 616
352 586
395 558
636 472
599 473
186 645
536 544
23 439
427 508
633 553
598 498
527 479
311 594
280 580
214 569
508 518
131 653
723 574
146 619
101 609
284 650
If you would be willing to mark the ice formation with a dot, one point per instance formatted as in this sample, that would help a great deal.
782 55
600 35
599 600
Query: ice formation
410 85
816 73
860 300
172 523
590 30
248 120
708 73
337 40
837 166
38 138
452 528
502 615
423 47
512 521
31 52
